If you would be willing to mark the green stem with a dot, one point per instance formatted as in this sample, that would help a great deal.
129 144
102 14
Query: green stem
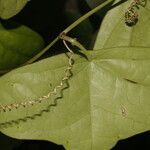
42 52
87 15
73 41
81 19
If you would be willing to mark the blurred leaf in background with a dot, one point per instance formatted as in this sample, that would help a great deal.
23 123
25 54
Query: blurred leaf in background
18 44
9 8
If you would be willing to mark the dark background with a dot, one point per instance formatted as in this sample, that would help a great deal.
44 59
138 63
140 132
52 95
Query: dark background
49 18
137 142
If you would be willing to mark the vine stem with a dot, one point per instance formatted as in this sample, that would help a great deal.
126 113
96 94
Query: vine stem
42 52
87 15
73 25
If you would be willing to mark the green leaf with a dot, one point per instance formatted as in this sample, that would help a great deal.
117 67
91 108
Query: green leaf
115 33
18 43
94 3
107 99
9 8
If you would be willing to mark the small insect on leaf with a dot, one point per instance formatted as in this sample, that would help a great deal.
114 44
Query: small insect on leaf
131 15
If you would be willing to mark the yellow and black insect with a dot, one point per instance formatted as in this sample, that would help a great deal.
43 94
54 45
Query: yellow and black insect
131 15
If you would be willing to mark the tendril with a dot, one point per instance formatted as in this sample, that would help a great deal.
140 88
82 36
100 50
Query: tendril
57 88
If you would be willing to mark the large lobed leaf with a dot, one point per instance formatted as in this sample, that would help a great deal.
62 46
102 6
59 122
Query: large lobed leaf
9 8
107 99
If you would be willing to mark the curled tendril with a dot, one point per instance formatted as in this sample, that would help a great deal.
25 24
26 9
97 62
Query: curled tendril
131 15
57 88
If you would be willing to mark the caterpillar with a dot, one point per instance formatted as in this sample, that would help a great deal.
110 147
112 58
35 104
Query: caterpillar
131 15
